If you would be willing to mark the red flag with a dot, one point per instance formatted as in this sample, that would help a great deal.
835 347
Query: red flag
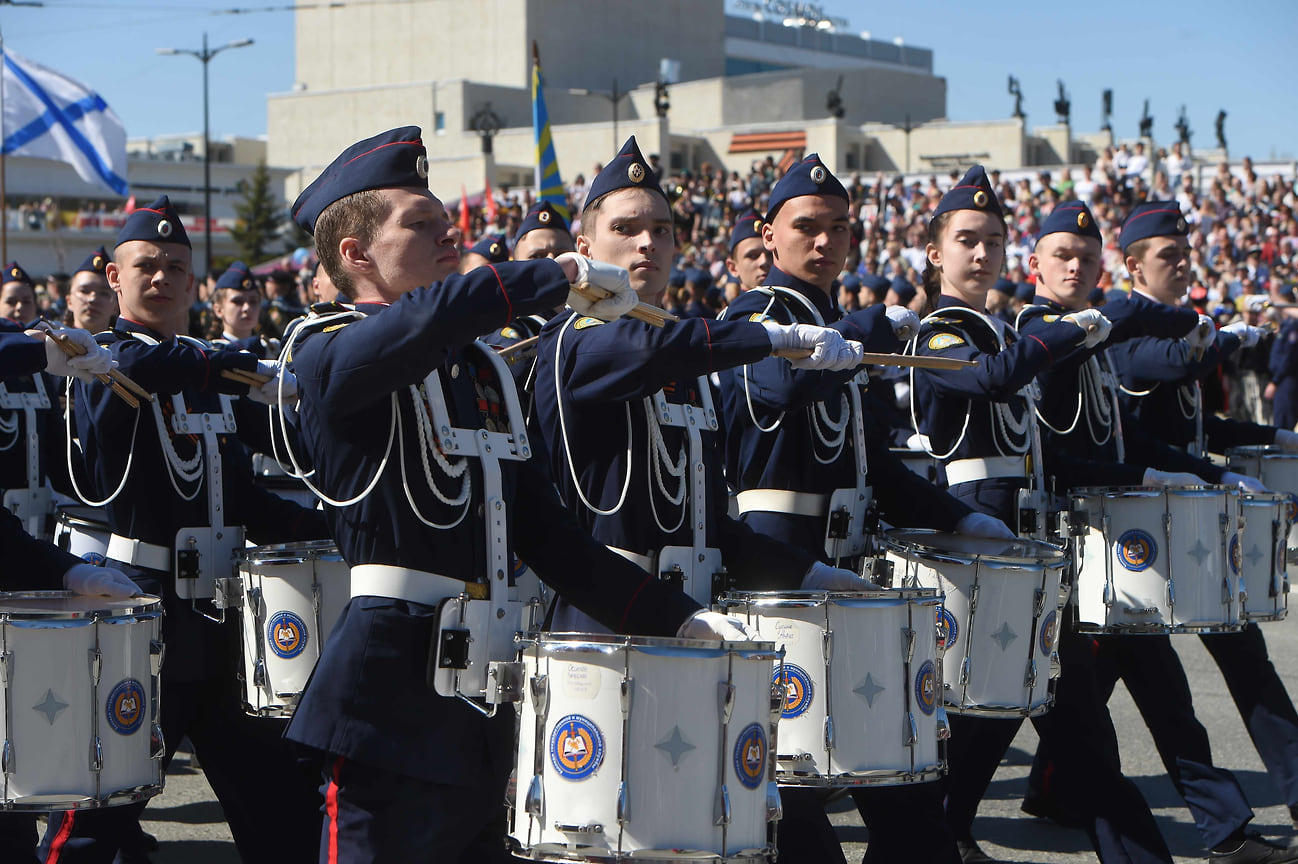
130 205
490 201
466 223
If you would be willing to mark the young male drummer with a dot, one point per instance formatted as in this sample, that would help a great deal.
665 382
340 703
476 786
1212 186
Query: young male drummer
1085 443
979 421
157 480
748 259
796 438
410 773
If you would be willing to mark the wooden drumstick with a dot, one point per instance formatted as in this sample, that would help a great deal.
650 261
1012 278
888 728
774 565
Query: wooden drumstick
641 311
519 346
868 359
118 382
243 376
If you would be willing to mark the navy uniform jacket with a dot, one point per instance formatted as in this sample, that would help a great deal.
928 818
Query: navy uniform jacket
520 363
1080 425
608 370
149 508
20 354
1284 374
772 395
256 344
1159 392
367 699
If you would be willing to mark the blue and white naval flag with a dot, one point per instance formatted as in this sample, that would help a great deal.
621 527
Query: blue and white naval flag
48 115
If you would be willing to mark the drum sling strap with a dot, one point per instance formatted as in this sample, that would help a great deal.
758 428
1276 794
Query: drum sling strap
33 502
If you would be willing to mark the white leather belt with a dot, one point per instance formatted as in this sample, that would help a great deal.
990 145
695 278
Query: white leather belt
137 553
783 501
968 470
648 563
416 586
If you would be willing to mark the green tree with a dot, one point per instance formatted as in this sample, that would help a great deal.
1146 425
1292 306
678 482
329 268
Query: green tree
259 217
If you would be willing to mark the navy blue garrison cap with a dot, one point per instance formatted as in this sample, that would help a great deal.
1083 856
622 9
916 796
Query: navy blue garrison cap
876 283
973 192
159 223
904 290
676 279
808 177
542 215
237 277
1097 297
749 224
1152 219
391 160
850 282
628 170
14 273
1070 217
493 248
1025 291
1004 286
96 262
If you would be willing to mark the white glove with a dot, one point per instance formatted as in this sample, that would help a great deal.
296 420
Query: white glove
1244 482
1285 439
611 278
829 350
982 525
713 625
268 393
99 582
1202 335
1154 477
96 361
1247 333
1093 323
821 577
905 323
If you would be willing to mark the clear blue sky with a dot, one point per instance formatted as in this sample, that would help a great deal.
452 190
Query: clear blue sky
1239 56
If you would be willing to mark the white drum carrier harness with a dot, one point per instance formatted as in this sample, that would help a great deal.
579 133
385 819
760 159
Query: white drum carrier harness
1017 440
845 510
696 569
32 503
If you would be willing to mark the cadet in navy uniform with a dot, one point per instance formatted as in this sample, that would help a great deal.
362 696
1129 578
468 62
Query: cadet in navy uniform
748 259
1083 445
1283 388
799 447
491 249
236 303
980 423
1160 378
410 773
157 481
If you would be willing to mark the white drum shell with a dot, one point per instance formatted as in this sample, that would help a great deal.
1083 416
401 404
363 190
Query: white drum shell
1278 471
55 712
83 531
674 708
290 592
1262 559
999 626
1154 560
866 690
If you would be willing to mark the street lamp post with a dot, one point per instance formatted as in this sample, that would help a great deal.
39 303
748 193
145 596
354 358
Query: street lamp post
614 97
205 56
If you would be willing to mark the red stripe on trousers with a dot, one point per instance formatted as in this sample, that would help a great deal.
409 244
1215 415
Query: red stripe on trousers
61 838
331 811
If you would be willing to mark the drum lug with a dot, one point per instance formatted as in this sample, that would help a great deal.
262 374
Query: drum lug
973 598
774 807
1030 678
829 733
1108 594
623 804
1038 602
726 692
943 725
259 673
96 664
912 731
7 761
534 803
6 663
964 671
157 654
96 755
778 693
157 744
1226 592
721 814
626 695
827 645
1171 593
908 643
540 687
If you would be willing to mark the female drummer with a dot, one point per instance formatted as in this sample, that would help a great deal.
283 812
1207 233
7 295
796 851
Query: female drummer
979 423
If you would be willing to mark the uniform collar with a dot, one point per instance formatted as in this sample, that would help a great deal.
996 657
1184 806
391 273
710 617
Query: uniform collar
946 301
372 308
127 325
1049 304
827 308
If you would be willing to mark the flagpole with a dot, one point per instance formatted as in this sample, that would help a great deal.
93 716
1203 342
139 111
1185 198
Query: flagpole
4 195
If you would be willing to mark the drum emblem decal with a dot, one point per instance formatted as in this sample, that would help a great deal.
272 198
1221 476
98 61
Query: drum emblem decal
125 707
798 690
94 558
286 634
1235 554
948 631
750 756
1291 509
1048 632
1136 550
926 687
576 747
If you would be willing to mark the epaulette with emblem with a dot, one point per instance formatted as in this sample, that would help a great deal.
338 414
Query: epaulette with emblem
583 323
759 317
508 333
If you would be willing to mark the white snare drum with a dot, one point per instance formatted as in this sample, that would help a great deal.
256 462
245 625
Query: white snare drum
83 531
271 476
637 747
1261 558
80 700
1156 560
292 596
861 675
999 622
1278 471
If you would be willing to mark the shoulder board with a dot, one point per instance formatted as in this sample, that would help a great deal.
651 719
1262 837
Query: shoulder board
939 341
583 323
329 308
759 317
1050 319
